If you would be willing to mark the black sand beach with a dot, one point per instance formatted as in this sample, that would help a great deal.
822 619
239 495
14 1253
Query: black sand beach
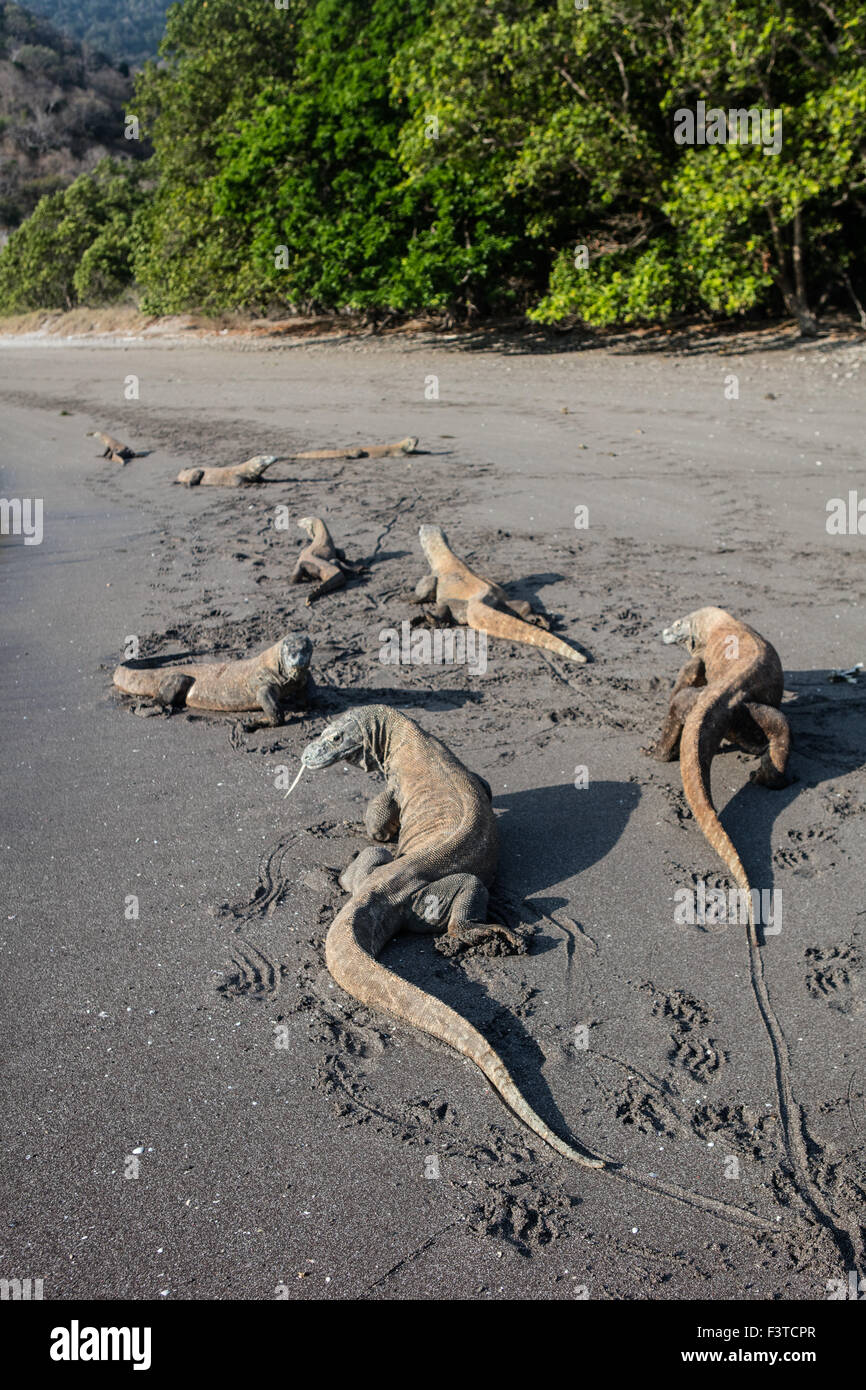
282 1135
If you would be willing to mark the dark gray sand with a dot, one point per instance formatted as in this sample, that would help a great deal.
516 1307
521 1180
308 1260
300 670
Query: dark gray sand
283 1134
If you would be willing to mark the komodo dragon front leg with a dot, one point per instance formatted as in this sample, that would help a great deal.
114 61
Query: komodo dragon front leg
691 678
382 817
330 577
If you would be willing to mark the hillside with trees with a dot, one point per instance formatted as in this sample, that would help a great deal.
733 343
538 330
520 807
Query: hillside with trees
61 112
385 157
128 30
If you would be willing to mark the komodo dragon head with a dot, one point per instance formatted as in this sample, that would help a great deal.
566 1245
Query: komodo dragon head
694 629
314 527
352 737
296 652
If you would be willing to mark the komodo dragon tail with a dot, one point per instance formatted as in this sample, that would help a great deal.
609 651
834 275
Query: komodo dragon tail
349 949
498 624
133 680
702 733
352 941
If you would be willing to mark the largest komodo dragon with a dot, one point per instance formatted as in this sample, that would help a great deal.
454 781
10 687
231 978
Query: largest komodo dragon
439 818
456 593
271 681
731 687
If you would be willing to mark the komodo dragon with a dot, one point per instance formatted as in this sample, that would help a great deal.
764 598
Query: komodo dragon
731 687
439 818
114 449
368 451
456 593
236 475
321 560
270 681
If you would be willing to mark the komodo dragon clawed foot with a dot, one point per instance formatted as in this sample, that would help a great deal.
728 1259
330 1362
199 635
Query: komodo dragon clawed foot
321 560
274 681
482 938
455 592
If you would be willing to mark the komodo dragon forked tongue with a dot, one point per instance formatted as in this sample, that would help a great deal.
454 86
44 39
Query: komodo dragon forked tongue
456 592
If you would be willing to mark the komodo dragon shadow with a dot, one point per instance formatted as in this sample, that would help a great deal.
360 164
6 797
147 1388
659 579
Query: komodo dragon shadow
835 716
536 861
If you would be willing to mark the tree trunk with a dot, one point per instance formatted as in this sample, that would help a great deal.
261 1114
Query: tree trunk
805 317
794 295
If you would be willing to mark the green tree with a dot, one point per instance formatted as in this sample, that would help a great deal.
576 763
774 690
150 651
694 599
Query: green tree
76 247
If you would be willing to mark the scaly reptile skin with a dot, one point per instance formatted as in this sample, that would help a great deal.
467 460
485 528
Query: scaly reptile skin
321 560
366 451
236 475
270 681
731 687
437 879
457 594
114 448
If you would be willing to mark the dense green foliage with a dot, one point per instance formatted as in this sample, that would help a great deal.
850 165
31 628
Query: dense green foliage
127 29
458 155
76 247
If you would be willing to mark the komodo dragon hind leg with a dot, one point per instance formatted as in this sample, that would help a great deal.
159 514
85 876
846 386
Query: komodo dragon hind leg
745 734
523 609
773 723
352 566
363 865
459 904
692 673
173 690
667 748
